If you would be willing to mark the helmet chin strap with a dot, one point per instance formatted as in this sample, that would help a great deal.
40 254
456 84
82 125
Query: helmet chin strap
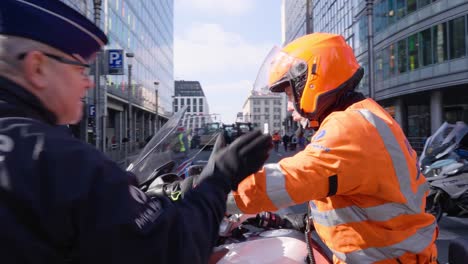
305 123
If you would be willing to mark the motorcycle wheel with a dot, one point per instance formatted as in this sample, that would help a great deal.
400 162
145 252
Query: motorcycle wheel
434 207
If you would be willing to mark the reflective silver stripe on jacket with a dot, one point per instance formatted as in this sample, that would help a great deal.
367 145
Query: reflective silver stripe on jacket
385 211
276 186
275 189
413 201
231 206
414 244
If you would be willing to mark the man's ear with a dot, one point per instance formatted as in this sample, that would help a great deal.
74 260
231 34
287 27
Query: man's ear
35 69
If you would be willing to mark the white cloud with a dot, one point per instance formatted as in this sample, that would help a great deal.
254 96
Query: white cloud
206 49
221 7
227 98
224 62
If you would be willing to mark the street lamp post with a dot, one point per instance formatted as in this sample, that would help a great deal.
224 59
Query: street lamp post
370 46
156 119
129 55
97 92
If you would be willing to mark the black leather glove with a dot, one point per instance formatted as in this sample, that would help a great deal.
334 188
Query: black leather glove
295 221
272 220
228 166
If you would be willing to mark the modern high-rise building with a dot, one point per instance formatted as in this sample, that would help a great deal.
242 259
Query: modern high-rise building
145 30
420 63
190 93
296 19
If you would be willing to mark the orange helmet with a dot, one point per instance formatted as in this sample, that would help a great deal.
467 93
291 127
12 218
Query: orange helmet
319 67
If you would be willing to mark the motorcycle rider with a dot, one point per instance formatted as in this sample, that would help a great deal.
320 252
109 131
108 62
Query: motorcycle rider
61 200
359 172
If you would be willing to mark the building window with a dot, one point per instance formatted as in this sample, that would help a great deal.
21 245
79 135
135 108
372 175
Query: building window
176 101
400 8
182 101
200 101
457 37
277 110
378 67
419 122
391 12
200 107
176 108
402 58
425 41
267 109
422 3
411 6
413 45
194 108
440 42
389 62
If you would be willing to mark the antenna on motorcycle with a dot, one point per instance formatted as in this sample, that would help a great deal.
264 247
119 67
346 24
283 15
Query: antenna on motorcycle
219 144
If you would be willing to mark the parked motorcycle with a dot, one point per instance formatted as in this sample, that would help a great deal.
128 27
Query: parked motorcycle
444 163
266 238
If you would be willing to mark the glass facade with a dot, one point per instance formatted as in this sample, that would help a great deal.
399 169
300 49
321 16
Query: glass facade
334 17
294 19
146 29
426 47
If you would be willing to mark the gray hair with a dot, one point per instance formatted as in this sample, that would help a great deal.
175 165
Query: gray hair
11 47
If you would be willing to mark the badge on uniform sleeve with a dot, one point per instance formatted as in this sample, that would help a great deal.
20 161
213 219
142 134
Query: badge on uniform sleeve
148 209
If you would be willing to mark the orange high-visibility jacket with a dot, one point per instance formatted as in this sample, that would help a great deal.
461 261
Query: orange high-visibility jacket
366 194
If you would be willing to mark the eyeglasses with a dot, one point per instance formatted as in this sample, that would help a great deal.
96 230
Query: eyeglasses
62 60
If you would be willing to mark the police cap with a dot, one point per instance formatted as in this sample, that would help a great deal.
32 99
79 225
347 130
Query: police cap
53 23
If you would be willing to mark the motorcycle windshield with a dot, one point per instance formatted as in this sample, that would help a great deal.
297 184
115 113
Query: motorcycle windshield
168 150
444 140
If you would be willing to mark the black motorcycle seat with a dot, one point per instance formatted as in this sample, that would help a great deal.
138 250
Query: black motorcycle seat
458 251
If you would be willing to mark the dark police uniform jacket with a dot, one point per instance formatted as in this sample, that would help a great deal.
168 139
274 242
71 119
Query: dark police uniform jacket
63 201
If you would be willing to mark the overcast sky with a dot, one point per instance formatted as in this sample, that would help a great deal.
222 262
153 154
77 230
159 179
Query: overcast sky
221 44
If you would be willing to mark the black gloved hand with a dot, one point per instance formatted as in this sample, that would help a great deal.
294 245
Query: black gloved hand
295 221
228 166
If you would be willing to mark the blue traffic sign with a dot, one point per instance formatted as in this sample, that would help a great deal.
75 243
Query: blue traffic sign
92 111
115 61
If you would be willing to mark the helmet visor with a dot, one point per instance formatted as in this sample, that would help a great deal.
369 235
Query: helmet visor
277 70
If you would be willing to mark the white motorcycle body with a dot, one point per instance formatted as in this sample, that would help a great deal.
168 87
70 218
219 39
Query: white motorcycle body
275 246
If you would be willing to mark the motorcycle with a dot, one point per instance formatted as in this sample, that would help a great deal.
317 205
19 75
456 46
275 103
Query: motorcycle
241 238
265 238
444 163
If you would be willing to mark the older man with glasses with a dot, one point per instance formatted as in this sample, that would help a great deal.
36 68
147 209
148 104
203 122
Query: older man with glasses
61 200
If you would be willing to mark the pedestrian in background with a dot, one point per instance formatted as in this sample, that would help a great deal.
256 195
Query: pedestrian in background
285 141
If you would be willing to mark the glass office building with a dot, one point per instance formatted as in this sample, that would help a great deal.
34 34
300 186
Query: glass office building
420 56
144 28
295 16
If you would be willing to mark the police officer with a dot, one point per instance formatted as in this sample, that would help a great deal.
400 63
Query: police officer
62 200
